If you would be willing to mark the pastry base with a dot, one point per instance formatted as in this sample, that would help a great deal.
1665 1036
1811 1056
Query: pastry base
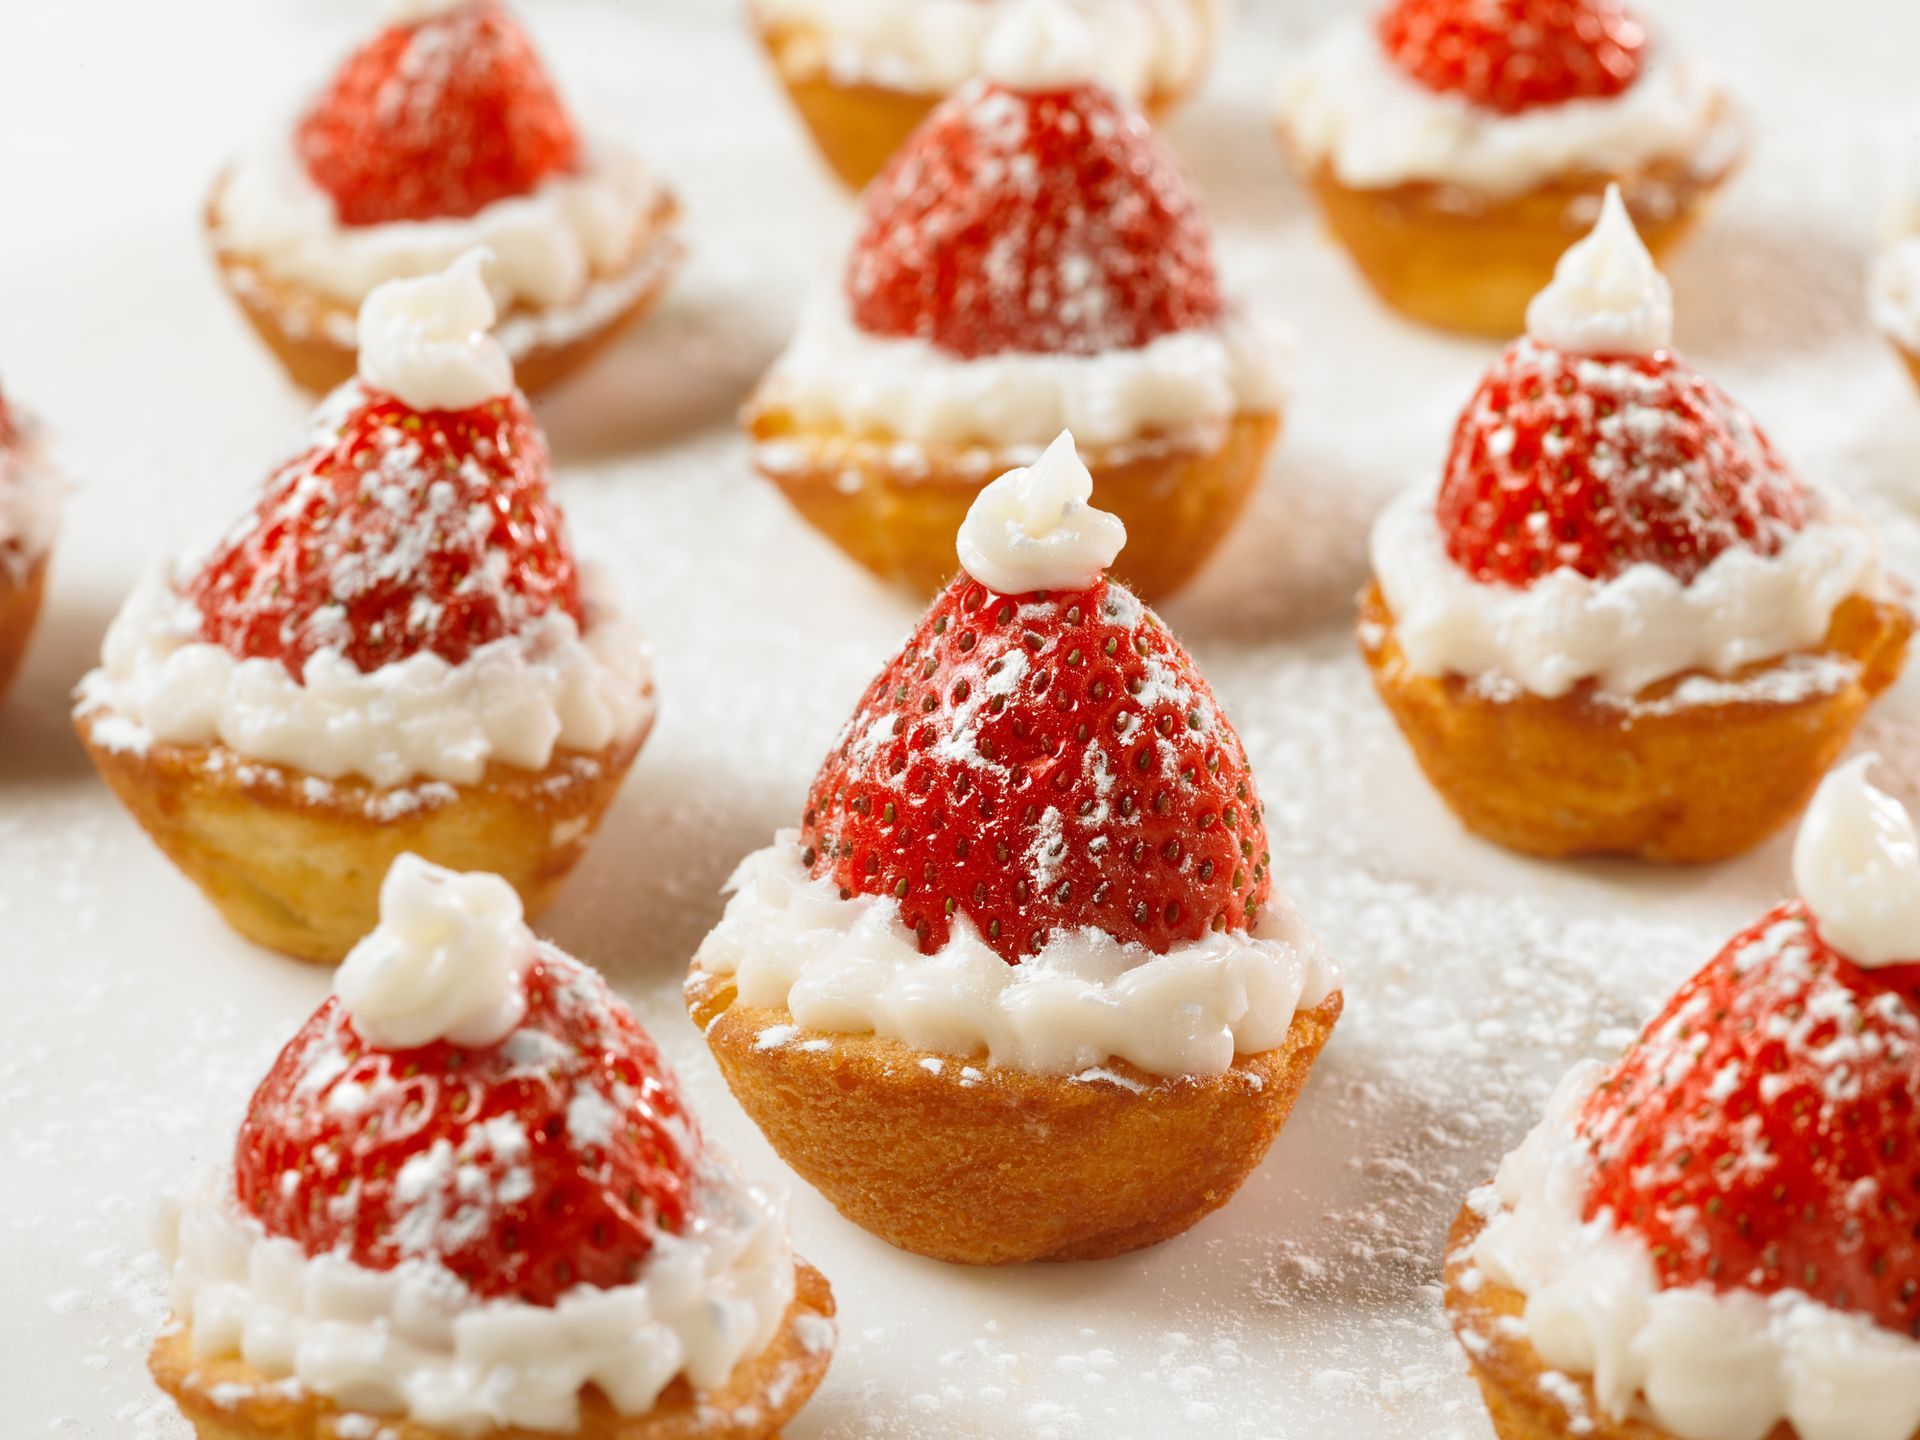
896 507
856 125
20 598
758 1398
1575 776
303 326
1452 258
296 864
1911 359
1008 1167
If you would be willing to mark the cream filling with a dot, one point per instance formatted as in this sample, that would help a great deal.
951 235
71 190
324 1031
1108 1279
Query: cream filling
30 494
852 967
516 700
1625 633
835 374
1347 107
1704 1365
1893 291
414 1341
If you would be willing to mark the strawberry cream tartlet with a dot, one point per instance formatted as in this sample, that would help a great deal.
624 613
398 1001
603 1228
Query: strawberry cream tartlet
1033 260
863 74
394 650
1714 1237
1624 625
1456 147
443 132
468 1201
1020 986
29 515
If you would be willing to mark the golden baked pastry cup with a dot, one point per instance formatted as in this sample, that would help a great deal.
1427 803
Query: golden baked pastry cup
1454 258
227 1399
305 327
295 863
856 125
896 507
1683 784
983 1165
20 599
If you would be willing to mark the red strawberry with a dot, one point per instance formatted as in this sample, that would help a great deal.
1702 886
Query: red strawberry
1511 55
1761 1134
1053 222
1596 465
549 1160
396 532
437 120
1042 762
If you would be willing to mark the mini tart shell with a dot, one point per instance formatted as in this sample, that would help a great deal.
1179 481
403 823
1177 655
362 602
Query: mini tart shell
1457 259
20 596
1012 1167
302 325
1575 776
295 863
770 1389
857 125
895 506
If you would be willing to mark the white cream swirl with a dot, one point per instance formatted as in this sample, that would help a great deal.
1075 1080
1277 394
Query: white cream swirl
833 373
30 493
426 341
1707 1365
515 700
1626 633
1040 45
1607 296
1347 107
1856 862
415 1341
1033 528
852 967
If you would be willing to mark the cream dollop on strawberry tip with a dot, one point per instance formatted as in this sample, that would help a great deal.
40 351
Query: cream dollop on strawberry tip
445 962
427 340
1039 45
412 12
1856 861
1607 297
1033 528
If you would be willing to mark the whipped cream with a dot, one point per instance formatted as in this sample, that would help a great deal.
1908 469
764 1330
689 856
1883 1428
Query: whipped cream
425 340
1607 297
835 374
852 967
1032 529
1141 48
415 1341
1856 862
1893 291
1347 107
1705 1365
515 700
549 247
1040 45
444 963
30 492
1641 626
412 12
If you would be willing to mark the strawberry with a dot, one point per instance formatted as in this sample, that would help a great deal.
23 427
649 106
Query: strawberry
1760 1135
1513 55
1037 763
395 532
1596 465
437 120
549 1160
1054 222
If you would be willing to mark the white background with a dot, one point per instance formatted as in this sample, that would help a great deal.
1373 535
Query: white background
132 1024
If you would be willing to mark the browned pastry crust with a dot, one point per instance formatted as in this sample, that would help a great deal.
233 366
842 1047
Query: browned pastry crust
295 864
855 125
896 507
1509 1372
1575 775
993 1166
20 597
305 328
228 1399
1451 257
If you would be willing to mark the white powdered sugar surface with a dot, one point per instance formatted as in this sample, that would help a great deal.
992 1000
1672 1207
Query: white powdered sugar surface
135 1024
